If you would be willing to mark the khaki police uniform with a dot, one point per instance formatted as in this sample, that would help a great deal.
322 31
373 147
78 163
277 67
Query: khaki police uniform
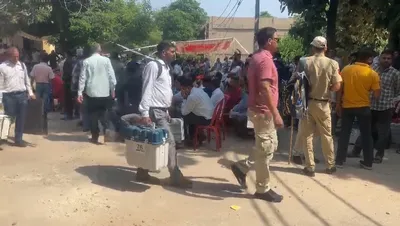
322 73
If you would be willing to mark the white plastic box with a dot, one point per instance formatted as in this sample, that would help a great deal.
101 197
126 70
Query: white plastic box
5 123
146 156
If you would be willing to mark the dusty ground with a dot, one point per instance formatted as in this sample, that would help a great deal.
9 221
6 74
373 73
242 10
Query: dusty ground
65 181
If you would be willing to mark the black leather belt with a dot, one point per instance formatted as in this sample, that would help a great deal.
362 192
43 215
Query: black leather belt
159 108
319 99
15 93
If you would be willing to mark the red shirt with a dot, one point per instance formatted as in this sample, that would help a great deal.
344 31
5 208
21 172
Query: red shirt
261 68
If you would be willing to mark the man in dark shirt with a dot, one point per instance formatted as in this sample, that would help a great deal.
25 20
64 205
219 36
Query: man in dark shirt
67 79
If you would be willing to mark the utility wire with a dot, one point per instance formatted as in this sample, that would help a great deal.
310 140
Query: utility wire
227 6
228 16
233 15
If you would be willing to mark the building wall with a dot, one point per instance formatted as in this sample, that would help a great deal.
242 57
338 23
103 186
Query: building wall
243 29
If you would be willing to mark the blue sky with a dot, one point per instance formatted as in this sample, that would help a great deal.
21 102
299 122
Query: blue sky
247 8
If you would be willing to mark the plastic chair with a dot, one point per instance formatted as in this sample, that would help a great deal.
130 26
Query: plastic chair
214 126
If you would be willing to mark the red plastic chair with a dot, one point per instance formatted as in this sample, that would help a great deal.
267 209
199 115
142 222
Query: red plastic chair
215 126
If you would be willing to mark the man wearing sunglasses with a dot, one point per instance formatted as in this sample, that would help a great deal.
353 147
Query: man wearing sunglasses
263 113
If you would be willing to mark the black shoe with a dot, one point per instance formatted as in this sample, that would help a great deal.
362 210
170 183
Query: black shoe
20 144
142 175
95 141
353 155
308 172
269 196
339 164
378 159
297 160
331 170
365 166
240 176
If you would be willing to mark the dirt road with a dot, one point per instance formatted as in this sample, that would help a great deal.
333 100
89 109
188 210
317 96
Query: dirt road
64 181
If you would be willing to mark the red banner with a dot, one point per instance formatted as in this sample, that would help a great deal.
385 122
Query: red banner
203 46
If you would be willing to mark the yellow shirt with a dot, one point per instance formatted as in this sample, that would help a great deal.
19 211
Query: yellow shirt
358 81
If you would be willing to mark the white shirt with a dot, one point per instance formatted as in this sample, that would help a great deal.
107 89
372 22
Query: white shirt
156 92
178 70
14 78
216 96
198 103
36 57
42 73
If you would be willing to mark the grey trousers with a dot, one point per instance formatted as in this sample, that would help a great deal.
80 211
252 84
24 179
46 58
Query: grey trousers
161 118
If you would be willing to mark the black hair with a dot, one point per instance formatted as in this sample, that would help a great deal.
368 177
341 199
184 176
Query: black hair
250 55
264 34
207 79
296 59
388 52
44 57
219 75
164 45
216 82
186 82
363 55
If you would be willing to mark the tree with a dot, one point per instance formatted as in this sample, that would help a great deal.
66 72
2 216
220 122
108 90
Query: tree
290 46
265 14
121 21
17 14
319 12
182 20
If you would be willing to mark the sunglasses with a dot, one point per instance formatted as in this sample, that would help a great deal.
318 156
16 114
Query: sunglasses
276 39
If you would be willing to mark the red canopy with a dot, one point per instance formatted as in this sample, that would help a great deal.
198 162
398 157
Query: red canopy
203 46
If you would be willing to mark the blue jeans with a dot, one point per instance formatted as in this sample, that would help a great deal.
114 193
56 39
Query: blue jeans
43 92
15 104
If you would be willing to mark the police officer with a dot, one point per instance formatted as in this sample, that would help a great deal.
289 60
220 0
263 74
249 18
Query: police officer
324 78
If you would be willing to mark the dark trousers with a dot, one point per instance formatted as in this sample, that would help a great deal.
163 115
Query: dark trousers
191 121
363 116
15 104
380 124
68 101
97 108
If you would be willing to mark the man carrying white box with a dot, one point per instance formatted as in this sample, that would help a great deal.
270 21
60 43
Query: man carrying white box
156 99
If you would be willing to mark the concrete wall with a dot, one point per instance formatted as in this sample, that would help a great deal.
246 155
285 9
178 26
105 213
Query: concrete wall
243 28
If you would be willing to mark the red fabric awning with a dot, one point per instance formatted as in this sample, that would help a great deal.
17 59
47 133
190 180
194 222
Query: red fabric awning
203 46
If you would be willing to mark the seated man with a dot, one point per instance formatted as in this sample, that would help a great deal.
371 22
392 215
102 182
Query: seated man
212 84
234 94
197 108
238 115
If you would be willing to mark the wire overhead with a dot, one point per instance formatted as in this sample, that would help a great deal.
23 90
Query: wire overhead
229 15
227 6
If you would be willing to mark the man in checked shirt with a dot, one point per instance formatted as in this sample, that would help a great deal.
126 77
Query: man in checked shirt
382 107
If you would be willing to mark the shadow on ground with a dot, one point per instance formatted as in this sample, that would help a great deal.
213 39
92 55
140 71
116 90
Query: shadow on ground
114 177
123 179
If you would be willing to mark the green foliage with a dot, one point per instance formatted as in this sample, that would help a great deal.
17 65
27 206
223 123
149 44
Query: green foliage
290 46
182 20
265 14
16 14
121 21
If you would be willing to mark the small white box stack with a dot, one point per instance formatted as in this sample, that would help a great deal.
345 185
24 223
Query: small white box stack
5 123
146 156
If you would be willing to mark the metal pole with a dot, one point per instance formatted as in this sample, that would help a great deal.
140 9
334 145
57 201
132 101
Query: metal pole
256 24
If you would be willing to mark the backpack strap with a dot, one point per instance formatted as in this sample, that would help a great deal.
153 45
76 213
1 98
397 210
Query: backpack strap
160 68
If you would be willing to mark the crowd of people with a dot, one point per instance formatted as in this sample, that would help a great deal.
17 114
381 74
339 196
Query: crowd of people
259 89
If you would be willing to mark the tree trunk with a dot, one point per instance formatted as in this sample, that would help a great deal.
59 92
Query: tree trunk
331 16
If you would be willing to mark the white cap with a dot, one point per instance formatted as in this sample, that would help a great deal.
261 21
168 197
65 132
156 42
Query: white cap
319 42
